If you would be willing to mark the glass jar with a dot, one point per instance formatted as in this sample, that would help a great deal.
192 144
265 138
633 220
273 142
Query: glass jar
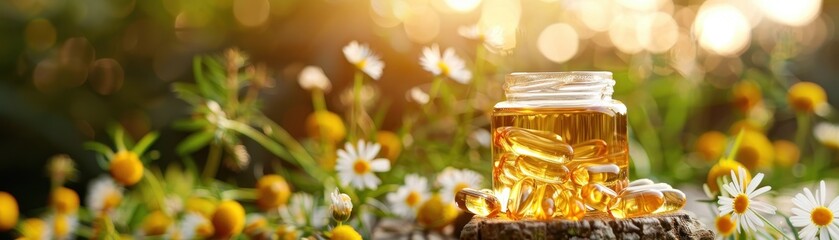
558 131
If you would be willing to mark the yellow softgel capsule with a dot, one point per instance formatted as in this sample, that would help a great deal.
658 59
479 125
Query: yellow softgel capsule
543 171
594 148
478 202
654 186
637 203
544 145
596 173
570 208
640 182
524 199
598 196
674 200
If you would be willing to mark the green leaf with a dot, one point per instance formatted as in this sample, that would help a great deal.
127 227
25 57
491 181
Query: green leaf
144 143
188 92
195 142
209 89
190 124
707 200
99 147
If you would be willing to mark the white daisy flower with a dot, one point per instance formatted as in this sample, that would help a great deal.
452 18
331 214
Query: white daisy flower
448 64
103 195
357 164
813 213
743 207
827 134
194 226
302 211
63 226
364 59
407 199
453 180
341 207
313 77
417 95
493 38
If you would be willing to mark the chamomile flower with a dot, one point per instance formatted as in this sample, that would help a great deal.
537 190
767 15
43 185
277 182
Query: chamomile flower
827 134
814 214
453 180
63 226
195 226
417 95
743 207
446 64
35 229
407 199
313 77
724 225
364 59
302 211
492 37
341 207
103 195
9 212
356 164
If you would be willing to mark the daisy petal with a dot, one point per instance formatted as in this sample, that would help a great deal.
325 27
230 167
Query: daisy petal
762 190
380 165
754 183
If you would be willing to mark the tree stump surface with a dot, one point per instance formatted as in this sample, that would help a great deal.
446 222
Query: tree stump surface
679 225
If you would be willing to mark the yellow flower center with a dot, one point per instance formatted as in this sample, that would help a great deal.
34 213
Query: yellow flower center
61 228
65 200
361 166
345 232
229 219
156 223
741 203
111 201
412 199
126 168
361 64
272 191
724 225
806 96
444 69
8 211
821 216
749 156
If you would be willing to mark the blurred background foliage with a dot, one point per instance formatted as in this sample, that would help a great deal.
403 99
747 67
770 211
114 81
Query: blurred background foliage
683 68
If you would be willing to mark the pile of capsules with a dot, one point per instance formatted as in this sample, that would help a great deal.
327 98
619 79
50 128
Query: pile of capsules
542 177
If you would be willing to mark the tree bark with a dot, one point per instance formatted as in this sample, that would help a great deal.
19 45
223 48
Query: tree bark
679 225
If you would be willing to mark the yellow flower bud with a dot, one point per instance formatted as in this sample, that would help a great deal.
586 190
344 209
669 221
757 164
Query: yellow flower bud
746 94
156 223
345 232
229 219
331 123
436 214
33 228
391 145
65 200
9 212
755 150
724 168
805 97
787 153
202 206
341 207
272 191
126 168
711 145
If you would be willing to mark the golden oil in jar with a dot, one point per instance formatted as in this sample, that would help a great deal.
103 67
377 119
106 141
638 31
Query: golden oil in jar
561 130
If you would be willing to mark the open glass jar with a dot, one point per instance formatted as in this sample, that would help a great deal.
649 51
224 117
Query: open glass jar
556 133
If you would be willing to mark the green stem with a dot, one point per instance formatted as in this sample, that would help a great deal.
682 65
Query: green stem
156 189
432 94
119 138
802 128
358 80
296 152
772 225
319 104
213 161
792 227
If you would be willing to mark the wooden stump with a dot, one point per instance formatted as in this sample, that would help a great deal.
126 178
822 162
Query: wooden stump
678 225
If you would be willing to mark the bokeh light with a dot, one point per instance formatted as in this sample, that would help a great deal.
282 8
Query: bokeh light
623 33
558 42
790 12
722 29
657 32
40 34
422 25
251 13
503 15
595 14
106 76
463 5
